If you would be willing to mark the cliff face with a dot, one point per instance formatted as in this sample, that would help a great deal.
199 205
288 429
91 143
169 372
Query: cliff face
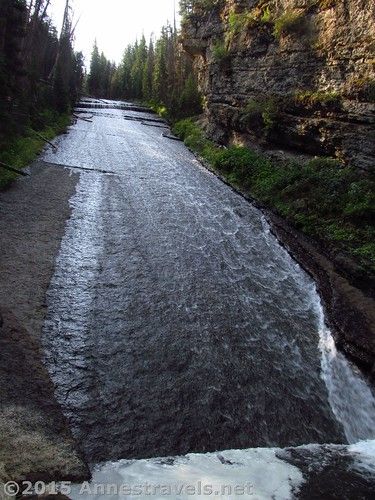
292 74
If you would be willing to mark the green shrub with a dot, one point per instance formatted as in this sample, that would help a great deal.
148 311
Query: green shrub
264 109
159 108
235 159
220 52
21 151
192 135
366 251
186 127
337 232
290 22
360 203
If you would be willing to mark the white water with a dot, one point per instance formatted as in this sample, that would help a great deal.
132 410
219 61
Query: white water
248 474
256 473
364 456
350 397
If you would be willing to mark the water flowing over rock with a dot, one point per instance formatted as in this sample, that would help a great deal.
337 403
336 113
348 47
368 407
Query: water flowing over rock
176 321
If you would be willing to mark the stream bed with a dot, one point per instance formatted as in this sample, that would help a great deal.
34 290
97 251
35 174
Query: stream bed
178 324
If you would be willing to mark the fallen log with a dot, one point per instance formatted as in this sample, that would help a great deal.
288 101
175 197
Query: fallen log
84 119
172 137
12 169
154 125
46 140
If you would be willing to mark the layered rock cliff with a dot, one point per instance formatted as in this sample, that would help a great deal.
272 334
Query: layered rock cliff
297 75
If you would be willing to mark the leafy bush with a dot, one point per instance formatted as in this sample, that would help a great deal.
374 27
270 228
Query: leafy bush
264 109
366 251
360 203
21 151
220 52
186 127
191 134
237 161
290 22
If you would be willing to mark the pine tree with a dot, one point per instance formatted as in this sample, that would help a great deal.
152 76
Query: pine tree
160 73
93 81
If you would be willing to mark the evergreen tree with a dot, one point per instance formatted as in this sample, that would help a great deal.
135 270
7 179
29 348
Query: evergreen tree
148 72
38 70
93 81
160 73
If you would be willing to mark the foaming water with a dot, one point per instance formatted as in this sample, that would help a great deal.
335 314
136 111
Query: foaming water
350 396
244 474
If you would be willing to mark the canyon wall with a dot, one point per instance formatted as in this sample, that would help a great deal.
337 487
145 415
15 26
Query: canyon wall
296 75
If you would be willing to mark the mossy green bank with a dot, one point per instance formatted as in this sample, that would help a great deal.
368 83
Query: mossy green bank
18 152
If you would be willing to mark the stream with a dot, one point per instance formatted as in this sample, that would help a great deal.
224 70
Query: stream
177 324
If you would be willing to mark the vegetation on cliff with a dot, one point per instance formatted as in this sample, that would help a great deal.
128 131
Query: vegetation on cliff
270 75
159 73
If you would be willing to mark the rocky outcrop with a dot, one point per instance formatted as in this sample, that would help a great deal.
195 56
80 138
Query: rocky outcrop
291 74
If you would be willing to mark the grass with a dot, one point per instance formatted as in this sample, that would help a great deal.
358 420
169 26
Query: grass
18 152
289 22
220 52
323 198
310 97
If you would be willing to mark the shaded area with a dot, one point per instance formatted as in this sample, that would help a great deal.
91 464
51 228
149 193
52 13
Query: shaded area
308 472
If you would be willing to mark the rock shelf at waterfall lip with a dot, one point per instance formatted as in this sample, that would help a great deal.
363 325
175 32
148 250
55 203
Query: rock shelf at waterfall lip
310 471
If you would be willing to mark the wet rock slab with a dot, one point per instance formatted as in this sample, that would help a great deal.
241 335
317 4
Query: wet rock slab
34 435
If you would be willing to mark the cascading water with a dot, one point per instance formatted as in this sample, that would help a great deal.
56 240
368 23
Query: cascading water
350 396
176 321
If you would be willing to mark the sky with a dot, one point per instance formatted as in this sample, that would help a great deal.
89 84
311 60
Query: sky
114 23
